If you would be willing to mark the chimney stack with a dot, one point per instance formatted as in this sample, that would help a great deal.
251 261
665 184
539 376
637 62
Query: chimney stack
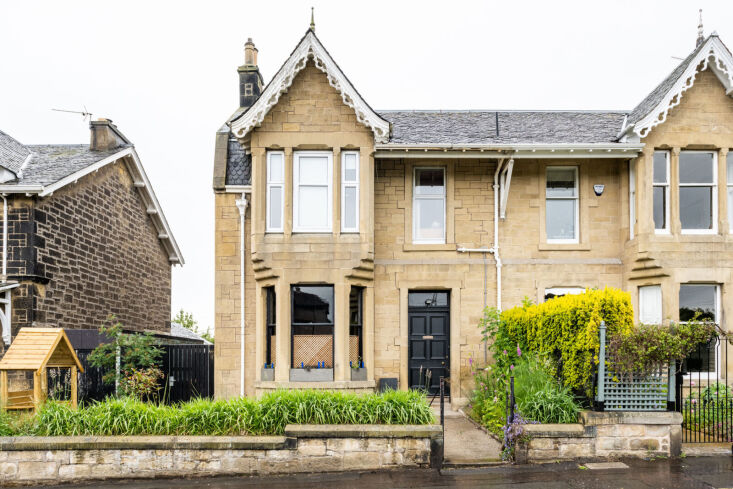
105 135
250 80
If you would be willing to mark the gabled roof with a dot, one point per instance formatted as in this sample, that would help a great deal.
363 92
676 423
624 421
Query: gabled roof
35 348
653 110
50 167
12 153
310 47
503 127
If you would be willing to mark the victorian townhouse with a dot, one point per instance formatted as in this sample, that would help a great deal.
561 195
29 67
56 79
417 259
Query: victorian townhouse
350 237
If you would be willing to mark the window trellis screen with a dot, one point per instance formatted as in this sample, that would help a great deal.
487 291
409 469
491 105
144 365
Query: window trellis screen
633 392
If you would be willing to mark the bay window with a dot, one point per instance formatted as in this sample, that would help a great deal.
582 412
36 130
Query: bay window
698 192
660 193
561 204
275 191
729 164
312 191
650 304
700 302
428 206
350 192
312 326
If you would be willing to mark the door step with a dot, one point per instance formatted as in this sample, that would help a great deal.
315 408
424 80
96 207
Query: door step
449 464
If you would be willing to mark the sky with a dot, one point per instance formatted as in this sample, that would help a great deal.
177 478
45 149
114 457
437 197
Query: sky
165 73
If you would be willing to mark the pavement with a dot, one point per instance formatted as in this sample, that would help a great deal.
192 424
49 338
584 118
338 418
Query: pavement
690 472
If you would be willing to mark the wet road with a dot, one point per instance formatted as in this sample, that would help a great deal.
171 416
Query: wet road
698 472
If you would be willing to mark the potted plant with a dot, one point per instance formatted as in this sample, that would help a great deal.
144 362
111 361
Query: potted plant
358 371
268 372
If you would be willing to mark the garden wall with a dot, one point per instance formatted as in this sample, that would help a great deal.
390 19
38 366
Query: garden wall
304 448
604 435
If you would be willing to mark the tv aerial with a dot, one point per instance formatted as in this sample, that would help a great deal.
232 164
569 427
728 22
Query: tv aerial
84 113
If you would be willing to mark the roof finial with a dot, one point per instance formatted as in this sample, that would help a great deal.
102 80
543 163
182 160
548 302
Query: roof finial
313 22
700 37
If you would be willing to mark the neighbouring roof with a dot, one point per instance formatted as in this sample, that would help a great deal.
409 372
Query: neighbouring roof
49 167
34 348
12 153
480 127
179 331
52 162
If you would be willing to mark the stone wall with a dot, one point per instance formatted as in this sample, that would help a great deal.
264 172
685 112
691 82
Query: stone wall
303 449
604 435
87 251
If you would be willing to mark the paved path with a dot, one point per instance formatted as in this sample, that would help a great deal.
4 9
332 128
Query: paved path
465 443
692 472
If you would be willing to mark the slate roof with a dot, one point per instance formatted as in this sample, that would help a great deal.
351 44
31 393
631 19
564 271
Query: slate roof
514 127
239 164
179 331
656 95
12 153
52 162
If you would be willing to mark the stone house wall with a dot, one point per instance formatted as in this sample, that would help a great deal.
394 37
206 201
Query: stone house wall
87 251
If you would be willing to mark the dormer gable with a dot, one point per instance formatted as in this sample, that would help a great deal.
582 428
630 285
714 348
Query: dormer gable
309 48
653 110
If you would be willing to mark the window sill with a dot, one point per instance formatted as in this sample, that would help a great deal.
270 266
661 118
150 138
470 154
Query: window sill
429 247
563 247
333 385
699 232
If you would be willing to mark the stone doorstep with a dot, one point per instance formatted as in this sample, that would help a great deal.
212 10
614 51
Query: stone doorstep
363 431
593 418
605 465
21 443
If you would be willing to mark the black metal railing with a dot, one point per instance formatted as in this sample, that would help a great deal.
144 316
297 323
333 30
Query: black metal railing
705 395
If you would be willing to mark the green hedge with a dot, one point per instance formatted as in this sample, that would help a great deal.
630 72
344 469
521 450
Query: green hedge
566 328
266 416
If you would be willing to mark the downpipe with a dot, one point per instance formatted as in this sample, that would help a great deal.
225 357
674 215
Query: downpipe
242 206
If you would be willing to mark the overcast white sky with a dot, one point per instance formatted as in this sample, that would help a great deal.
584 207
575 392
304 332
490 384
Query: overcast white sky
165 72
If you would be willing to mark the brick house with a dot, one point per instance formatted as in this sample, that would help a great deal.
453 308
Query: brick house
381 235
83 237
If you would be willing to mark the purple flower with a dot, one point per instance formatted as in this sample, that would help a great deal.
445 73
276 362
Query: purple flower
511 367
504 352
519 352
470 361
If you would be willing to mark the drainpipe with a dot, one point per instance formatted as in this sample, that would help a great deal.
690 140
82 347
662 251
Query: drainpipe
495 249
5 237
242 206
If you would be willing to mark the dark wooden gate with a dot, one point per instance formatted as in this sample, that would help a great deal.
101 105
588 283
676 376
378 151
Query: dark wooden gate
429 340
188 373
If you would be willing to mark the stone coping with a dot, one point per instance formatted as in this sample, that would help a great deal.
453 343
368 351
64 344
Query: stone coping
18 443
431 431
593 418
287 442
327 385
574 430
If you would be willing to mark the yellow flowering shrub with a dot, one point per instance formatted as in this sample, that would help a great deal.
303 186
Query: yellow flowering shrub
565 328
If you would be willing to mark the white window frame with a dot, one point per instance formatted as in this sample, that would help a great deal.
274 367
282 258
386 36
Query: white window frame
665 229
729 186
349 184
632 199
642 296
416 197
708 376
275 184
714 197
576 239
297 228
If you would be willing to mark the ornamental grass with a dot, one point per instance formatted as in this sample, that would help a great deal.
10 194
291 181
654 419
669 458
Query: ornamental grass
265 416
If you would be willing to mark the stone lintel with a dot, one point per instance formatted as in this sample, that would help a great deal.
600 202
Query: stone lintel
592 418
363 431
